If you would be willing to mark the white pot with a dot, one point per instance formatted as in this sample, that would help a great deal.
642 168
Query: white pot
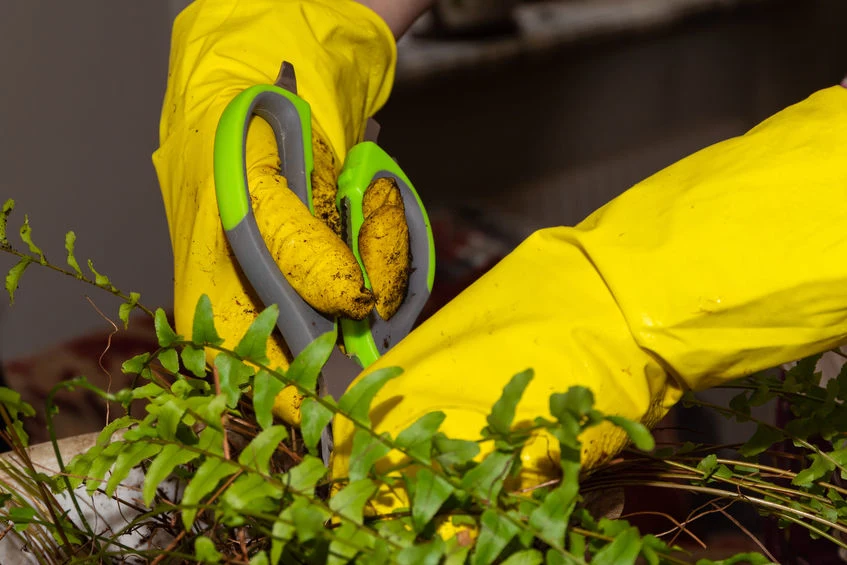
105 515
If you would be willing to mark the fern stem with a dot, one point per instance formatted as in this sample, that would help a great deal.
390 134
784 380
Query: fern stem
47 264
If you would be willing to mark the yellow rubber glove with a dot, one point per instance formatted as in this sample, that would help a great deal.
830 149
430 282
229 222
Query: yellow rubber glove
344 57
731 261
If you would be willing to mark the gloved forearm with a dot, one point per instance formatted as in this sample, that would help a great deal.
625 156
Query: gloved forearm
730 261
733 259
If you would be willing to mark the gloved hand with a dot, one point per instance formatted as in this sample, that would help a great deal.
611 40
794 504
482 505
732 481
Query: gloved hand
344 57
731 261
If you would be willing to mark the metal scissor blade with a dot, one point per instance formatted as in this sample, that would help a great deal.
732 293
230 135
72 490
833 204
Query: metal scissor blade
286 78
337 374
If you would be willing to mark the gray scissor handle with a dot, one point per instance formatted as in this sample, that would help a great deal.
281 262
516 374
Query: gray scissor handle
299 323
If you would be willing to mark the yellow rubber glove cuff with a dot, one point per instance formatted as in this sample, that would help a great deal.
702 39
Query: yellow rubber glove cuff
731 261
344 56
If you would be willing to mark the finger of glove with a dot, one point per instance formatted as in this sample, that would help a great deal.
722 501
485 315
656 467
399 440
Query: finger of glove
313 259
384 245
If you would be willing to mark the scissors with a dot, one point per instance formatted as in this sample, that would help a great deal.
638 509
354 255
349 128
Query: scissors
290 118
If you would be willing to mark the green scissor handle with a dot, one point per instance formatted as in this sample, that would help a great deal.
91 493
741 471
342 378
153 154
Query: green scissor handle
368 339
290 118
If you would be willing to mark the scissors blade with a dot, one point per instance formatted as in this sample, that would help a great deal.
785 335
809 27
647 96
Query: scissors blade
336 375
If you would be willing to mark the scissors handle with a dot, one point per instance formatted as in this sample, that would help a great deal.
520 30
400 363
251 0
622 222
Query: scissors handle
290 118
368 339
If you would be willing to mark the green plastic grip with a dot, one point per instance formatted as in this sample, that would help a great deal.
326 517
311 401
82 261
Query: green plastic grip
368 339
230 146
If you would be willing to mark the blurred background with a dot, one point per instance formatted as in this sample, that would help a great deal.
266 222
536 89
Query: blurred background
508 116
